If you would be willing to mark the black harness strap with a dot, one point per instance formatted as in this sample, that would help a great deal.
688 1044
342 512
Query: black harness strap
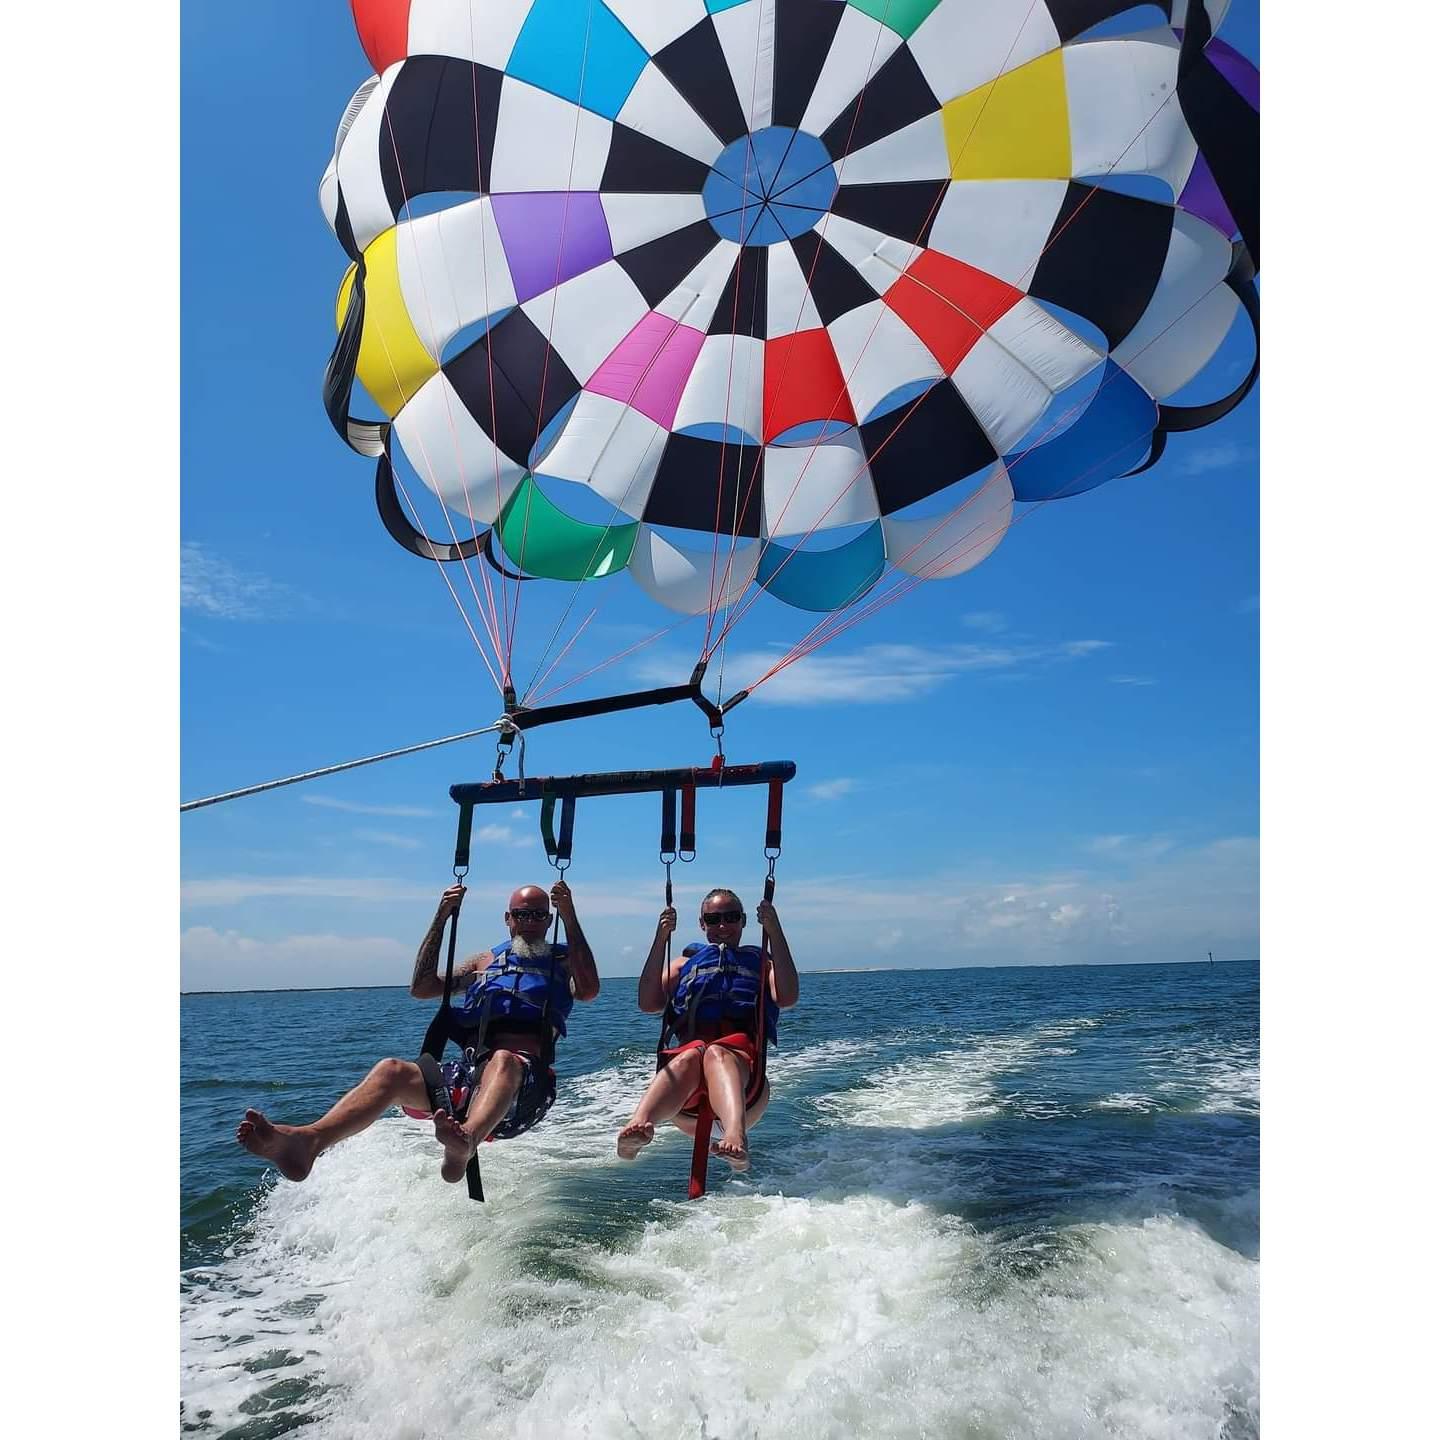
439 1094
442 1027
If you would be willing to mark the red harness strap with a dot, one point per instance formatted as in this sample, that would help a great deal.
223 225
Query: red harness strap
704 1115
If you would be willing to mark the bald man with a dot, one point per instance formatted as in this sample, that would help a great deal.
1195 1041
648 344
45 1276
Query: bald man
518 998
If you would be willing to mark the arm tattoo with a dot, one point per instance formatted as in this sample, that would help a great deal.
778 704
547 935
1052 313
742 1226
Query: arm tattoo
427 962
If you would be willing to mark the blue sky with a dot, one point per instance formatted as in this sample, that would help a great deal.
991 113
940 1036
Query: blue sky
1052 759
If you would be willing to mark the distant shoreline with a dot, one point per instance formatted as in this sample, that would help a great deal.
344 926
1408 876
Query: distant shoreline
846 970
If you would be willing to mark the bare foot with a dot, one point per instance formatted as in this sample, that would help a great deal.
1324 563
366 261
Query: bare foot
291 1148
633 1139
736 1152
459 1145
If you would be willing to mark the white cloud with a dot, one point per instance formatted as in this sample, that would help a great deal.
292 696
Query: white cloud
989 620
212 586
355 807
388 837
233 889
1116 898
1148 898
496 835
1204 459
881 674
1130 847
1131 680
831 789
213 959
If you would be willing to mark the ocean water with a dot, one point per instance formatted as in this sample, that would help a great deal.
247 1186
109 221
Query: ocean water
984 1203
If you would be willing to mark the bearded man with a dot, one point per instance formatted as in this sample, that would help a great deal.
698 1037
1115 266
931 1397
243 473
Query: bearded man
518 1000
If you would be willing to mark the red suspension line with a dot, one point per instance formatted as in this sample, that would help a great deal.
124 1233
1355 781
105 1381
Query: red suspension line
914 248
550 330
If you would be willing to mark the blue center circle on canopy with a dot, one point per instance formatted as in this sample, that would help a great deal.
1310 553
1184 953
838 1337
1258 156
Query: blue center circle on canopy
769 186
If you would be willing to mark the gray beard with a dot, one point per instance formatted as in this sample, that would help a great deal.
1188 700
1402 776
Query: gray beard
529 949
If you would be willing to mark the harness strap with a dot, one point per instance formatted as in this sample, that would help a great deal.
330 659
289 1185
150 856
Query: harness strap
772 854
438 1030
687 822
700 1154
439 1096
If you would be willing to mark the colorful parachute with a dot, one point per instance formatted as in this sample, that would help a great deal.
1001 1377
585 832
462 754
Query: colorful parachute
824 287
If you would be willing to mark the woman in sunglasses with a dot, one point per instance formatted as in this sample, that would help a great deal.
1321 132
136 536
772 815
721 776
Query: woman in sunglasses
709 1045
519 998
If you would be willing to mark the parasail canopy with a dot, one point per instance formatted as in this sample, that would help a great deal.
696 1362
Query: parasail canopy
792 297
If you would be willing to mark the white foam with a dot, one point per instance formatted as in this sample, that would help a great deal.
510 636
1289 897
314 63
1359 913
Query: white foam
954 1085
1214 1078
1128 1100
855 1305
746 1315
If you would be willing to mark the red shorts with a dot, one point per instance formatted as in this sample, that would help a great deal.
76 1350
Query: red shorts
739 1042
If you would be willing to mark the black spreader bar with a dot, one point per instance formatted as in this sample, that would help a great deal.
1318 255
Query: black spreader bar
620 782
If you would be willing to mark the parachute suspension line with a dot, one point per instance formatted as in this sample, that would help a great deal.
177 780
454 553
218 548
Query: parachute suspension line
724 596
616 506
491 620
404 492
741 503
739 272
615 510
502 615
820 635
1028 274
1074 410
605 664
486 607
550 333
830 627
459 604
707 649
829 618
914 248
336 769
538 679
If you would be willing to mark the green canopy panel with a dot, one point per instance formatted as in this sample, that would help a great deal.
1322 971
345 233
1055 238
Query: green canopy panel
541 539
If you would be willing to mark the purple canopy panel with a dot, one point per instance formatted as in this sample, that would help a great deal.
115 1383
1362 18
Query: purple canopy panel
550 237
1201 197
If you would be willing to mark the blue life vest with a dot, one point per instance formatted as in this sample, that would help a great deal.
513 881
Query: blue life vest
510 988
720 983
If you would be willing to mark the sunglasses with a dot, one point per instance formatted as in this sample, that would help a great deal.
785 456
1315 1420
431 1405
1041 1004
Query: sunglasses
722 917
529 914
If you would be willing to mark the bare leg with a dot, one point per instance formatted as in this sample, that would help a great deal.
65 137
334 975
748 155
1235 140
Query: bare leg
499 1083
726 1076
667 1092
294 1148
686 1123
